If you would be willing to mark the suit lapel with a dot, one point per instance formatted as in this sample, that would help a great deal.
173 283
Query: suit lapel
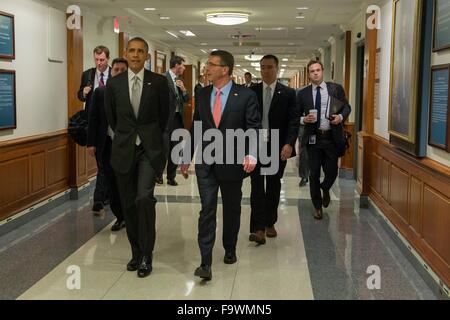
276 96
171 84
232 97
207 104
309 97
146 87
259 93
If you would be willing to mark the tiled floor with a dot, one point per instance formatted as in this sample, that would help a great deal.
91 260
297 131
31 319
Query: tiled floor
309 259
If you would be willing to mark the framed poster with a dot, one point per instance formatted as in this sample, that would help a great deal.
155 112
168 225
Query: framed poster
439 119
405 49
7 42
160 62
441 25
7 99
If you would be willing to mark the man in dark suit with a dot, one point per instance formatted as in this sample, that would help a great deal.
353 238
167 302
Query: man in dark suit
178 95
223 105
136 104
323 132
91 79
278 111
248 80
99 142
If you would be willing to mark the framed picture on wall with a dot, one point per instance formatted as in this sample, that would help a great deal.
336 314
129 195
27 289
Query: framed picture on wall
7 99
406 22
160 62
441 25
439 119
7 41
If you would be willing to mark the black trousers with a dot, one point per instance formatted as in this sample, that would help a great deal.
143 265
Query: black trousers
136 190
110 178
172 167
265 198
101 191
323 155
231 192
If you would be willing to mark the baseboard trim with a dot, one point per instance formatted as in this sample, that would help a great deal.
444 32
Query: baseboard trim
429 276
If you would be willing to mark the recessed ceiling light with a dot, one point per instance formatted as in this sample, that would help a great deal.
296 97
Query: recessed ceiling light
187 33
214 49
172 34
291 44
238 65
164 18
302 8
245 70
204 51
254 64
253 57
285 59
300 17
299 28
283 65
227 18
203 44
149 9
258 69
270 29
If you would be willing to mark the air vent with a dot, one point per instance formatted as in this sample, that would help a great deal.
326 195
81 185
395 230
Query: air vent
246 44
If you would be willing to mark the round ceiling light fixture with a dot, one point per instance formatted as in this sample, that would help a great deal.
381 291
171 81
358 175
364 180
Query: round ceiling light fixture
227 18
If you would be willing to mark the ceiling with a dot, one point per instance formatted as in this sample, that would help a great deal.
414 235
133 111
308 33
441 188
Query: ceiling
259 36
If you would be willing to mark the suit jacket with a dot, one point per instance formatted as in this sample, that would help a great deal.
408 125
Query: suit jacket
173 102
149 124
198 87
88 78
97 122
338 105
283 113
240 112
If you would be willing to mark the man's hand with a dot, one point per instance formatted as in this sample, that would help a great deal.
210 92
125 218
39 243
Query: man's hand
249 164
91 151
310 118
184 170
86 90
286 152
180 85
336 119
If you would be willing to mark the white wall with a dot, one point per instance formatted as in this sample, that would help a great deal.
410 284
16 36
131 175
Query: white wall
384 43
98 31
41 86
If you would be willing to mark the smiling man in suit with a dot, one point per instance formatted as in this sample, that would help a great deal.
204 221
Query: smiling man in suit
278 111
323 135
221 106
136 105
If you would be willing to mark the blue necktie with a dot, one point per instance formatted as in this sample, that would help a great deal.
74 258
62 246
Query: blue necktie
318 106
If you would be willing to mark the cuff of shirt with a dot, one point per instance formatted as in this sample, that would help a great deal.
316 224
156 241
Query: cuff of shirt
302 120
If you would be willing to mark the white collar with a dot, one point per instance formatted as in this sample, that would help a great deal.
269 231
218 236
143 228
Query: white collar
140 74
323 85
172 74
105 73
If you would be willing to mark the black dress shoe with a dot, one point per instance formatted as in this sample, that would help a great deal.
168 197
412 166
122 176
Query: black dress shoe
145 267
118 225
303 182
172 182
230 258
98 205
318 214
133 264
326 198
159 180
204 272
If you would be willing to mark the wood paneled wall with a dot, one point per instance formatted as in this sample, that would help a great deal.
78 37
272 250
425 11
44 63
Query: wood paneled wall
347 159
31 170
414 194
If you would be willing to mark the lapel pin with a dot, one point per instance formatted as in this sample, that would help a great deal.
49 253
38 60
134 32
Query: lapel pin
149 83
235 94
279 92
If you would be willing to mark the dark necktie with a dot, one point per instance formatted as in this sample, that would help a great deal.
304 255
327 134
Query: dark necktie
100 82
318 106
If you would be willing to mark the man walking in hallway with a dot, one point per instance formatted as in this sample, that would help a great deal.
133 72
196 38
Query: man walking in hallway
222 105
136 105
178 95
92 79
323 108
99 142
278 111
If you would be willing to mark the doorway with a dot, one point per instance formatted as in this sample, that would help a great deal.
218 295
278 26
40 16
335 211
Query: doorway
360 52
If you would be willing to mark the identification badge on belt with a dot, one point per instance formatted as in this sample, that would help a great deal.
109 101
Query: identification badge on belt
312 139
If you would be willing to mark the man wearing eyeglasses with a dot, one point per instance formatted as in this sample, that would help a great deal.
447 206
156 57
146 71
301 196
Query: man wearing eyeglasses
222 105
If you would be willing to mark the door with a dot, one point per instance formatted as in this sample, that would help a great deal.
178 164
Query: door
359 101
